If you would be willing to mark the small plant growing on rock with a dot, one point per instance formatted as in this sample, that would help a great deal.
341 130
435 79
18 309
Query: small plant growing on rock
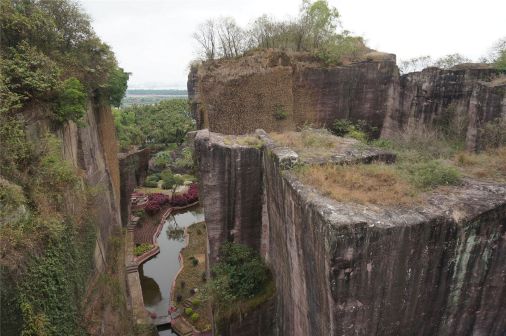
195 261
196 302
188 311
279 112
195 317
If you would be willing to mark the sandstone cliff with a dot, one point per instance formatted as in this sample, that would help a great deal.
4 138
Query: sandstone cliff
435 268
277 91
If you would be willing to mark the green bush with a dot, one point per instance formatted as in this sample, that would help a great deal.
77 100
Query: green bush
341 127
280 113
360 130
431 174
163 158
188 311
240 274
71 101
142 248
195 317
152 181
171 181
186 160
196 302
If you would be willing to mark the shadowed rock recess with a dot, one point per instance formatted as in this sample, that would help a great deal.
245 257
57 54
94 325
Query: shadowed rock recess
437 268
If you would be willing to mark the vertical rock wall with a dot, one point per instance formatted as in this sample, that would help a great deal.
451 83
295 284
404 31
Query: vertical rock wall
133 170
241 95
465 98
348 269
231 181
237 96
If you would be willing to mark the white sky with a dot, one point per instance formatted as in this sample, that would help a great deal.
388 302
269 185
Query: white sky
152 38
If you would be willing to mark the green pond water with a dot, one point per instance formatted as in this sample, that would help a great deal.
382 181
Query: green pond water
157 274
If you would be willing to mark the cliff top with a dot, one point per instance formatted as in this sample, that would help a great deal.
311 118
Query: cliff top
363 189
263 60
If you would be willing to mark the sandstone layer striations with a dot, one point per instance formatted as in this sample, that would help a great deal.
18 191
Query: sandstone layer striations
341 268
279 91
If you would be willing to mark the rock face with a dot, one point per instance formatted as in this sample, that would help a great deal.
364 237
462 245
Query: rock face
231 180
133 170
239 96
92 148
277 91
437 268
463 98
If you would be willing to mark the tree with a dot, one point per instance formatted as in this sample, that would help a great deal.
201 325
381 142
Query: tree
314 31
451 60
206 37
415 64
117 85
72 101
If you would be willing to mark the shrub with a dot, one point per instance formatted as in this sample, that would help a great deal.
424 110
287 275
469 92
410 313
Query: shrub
240 274
150 184
279 112
360 130
188 311
341 127
191 196
142 248
71 101
493 134
186 160
195 317
195 261
196 302
426 175
155 202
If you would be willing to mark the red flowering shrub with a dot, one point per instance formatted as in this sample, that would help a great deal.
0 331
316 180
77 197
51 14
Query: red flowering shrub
191 196
155 203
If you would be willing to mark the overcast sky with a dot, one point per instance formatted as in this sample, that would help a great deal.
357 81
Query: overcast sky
152 38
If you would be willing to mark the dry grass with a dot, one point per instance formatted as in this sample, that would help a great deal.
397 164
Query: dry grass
192 275
489 165
312 143
247 140
370 184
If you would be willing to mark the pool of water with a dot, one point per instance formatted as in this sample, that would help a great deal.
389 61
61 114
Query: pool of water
157 273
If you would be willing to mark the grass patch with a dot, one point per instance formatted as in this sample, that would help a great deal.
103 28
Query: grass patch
374 183
193 276
312 143
247 140
489 165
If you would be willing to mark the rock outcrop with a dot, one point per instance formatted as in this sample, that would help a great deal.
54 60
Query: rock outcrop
92 148
273 90
231 180
436 268
133 167
279 91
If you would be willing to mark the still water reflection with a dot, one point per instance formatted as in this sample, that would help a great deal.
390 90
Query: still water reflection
158 273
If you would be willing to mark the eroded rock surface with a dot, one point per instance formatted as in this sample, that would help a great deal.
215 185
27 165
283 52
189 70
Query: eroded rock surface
436 268
279 91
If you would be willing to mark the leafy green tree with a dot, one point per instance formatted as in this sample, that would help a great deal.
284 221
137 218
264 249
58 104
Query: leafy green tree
72 101
166 122
117 85
240 274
